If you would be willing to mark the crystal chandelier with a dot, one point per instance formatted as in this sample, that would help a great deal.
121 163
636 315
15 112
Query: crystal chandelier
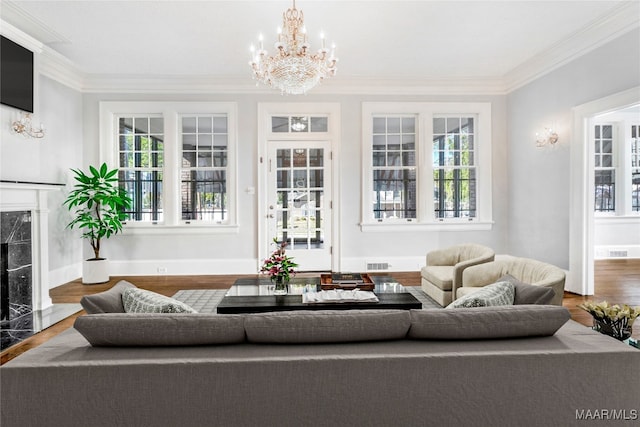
293 69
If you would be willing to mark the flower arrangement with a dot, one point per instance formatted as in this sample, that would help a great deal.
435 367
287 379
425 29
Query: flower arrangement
613 320
279 266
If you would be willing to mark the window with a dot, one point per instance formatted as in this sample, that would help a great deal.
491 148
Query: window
617 166
176 160
141 154
427 164
634 161
394 167
203 176
454 175
605 186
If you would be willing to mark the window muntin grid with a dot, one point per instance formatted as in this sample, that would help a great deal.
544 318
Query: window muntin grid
394 167
635 168
604 169
141 163
299 124
300 207
454 168
203 172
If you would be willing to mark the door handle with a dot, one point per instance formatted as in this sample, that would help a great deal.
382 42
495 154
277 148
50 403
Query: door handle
270 216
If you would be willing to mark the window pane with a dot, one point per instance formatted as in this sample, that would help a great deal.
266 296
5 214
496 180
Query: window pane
141 159
454 177
203 188
604 169
394 194
319 124
205 125
279 124
605 191
379 125
394 146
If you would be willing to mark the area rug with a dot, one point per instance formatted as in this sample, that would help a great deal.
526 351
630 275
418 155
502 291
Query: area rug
206 300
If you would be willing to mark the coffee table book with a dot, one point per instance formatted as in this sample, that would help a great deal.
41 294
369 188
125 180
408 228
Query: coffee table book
360 281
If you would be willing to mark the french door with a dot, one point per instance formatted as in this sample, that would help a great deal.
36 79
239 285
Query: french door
299 200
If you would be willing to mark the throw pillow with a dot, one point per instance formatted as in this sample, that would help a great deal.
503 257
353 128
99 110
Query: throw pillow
160 329
529 294
109 301
508 321
327 326
137 300
499 293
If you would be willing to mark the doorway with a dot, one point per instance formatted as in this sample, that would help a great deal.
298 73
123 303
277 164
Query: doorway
582 205
299 200
298 152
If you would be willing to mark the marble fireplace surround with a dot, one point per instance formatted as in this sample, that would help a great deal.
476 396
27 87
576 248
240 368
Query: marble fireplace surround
32 196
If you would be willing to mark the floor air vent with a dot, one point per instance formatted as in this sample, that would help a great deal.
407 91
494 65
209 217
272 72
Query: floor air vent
373 266
618 253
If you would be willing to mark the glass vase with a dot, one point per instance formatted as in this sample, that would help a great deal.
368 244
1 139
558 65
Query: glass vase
281 287
618 329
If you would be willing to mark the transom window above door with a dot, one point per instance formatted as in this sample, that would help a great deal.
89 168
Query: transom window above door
299 124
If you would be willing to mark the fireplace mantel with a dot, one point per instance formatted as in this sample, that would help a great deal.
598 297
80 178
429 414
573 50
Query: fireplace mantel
32 196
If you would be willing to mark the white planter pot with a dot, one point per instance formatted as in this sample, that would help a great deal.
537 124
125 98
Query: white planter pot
95 271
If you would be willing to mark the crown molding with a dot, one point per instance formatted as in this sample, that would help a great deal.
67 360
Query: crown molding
336 86
616 23
59 68
20 37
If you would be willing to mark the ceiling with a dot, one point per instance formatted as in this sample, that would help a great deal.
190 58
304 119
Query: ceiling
375 40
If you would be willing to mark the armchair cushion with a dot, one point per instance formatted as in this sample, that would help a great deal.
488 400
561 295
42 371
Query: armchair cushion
439 275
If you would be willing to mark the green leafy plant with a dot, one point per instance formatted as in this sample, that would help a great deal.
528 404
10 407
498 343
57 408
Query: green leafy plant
98 204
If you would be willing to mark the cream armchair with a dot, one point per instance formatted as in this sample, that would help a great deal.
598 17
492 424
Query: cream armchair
524 269
443 273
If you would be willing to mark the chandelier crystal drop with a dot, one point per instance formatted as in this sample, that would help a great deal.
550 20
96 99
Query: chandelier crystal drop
293 68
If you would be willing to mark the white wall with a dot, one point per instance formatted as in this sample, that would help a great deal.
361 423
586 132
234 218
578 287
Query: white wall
538 194
48 159
237 253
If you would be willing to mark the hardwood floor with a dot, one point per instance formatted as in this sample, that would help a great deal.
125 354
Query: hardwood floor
616 281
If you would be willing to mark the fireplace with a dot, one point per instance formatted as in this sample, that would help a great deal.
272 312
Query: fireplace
16 284
24 262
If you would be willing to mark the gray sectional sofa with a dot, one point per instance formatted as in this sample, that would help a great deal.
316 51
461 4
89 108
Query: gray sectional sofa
516 365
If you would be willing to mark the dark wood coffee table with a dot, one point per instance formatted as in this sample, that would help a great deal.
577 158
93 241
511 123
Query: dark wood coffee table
256 296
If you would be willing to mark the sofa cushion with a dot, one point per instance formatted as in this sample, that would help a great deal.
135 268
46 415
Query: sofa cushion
508 321
529 294
325 326
499 293
137 300
439 275
109 301
160 329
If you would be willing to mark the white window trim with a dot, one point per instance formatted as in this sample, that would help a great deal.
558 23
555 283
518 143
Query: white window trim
171 112
425 218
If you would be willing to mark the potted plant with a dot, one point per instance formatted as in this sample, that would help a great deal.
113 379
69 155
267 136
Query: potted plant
279 267
98 204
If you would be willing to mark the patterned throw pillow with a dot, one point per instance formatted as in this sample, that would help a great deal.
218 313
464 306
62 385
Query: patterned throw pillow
499 293
136 300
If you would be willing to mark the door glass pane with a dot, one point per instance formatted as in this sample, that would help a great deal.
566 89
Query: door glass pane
299 216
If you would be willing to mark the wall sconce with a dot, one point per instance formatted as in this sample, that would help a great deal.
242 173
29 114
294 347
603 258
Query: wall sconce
547 137
25 128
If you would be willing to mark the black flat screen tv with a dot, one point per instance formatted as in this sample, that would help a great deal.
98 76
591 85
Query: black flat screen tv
16 75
